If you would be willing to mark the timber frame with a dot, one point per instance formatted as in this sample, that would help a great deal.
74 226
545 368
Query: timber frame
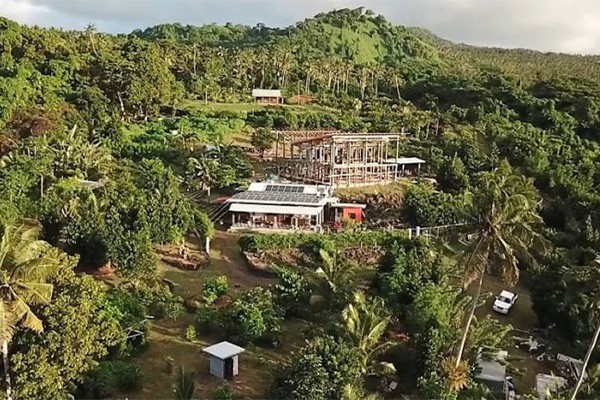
338 159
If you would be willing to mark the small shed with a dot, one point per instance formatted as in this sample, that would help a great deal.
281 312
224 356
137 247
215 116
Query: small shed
344 211
224 359
407 165
267 96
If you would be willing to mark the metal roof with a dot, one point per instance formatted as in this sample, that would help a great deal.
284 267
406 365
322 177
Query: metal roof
266 93
223 350
546 384
348 205
269 209
279 198
405 160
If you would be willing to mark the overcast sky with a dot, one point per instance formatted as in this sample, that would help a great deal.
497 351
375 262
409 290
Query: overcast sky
548 25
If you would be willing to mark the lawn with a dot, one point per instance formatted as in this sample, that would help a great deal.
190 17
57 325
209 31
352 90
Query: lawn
167 338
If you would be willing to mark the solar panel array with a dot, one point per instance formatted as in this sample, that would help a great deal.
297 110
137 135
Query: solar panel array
284 189
279 197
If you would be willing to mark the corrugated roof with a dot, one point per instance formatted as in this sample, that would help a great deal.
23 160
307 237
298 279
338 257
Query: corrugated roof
266 93
405 160
279 198
223 350
268 209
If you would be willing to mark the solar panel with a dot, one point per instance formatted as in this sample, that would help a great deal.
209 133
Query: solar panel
279 197
284 189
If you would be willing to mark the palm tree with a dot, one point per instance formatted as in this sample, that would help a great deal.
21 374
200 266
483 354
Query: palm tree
503 212
23 275
365 322
594 316
335 273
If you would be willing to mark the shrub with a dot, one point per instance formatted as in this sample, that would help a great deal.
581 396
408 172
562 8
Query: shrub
110 377
292 291
253 316
213 288
320 371
190 333
207 320
223 393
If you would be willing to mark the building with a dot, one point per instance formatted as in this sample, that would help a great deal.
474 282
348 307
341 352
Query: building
491 372
340 159
267 96
407 166
268 205
224 359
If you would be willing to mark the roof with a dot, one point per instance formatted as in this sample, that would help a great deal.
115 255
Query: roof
348 205
491 371
282 194
279 198
507 294
405 160
92 185
223 350
545 383
266 93
269 209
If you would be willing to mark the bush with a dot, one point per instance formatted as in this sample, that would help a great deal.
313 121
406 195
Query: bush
320 371
223 393
190 333
213 288
292 291
252 317
207 320
110 377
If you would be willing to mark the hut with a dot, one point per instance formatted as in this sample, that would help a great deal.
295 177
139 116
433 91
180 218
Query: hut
267 96
224 359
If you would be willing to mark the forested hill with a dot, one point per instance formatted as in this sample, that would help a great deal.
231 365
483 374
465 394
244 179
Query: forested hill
363 37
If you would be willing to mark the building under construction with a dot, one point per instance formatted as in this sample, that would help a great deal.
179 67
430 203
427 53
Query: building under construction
340 159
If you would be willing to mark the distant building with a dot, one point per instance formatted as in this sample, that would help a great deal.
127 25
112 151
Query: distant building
267 96
289 207
224 359
342 159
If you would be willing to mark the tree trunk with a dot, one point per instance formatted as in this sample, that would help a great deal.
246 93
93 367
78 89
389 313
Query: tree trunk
463 341
6 369
590 350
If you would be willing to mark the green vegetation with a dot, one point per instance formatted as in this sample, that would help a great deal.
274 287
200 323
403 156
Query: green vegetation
108 145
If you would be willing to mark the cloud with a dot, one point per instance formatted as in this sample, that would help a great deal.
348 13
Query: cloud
547 25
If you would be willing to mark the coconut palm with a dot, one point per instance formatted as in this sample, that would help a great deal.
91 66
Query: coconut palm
365 322
335 273
504 214
23 283
595 318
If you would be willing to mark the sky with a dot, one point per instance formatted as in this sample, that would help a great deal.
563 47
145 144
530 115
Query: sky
571 26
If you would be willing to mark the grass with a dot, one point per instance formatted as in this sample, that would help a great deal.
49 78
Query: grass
167 338
244 107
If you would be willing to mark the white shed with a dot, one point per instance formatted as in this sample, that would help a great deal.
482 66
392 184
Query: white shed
224 359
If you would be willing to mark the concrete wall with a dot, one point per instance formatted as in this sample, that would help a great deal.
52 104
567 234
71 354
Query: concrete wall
217 367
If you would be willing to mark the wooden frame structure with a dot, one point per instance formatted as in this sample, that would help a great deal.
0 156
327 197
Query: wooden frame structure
338 159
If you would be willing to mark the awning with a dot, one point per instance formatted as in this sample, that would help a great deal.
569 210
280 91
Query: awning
271 209
405 160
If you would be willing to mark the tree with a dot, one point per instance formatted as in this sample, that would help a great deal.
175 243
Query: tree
320 370
23 278
262 139
253 316
503 214
595 318
81 325
365 322
336 273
